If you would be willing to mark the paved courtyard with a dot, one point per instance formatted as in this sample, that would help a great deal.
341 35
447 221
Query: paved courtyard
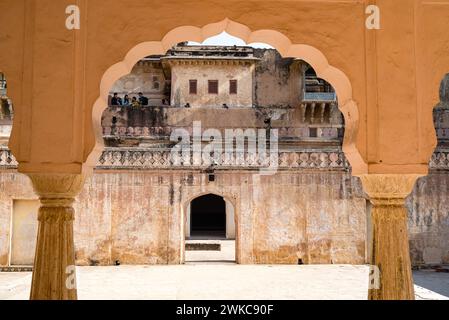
225 281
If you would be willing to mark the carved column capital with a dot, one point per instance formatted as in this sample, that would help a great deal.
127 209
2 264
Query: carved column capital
388 189
57 185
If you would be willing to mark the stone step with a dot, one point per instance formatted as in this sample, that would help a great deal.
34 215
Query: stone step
195 246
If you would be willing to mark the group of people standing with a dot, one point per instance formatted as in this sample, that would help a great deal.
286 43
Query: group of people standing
126 101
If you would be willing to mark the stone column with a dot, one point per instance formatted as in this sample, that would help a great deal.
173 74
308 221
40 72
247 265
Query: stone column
54 264
390 246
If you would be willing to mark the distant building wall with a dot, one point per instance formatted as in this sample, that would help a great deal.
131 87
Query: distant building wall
278 81
428 207
133 208
318 217
202 71
147 77
123 125
138 217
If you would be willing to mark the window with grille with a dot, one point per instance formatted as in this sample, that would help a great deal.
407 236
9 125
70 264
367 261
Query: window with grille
193 86
233 87
213 86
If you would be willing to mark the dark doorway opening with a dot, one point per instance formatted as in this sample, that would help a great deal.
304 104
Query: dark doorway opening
208 217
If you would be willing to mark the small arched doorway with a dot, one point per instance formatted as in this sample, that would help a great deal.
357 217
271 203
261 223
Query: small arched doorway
210 230
208 217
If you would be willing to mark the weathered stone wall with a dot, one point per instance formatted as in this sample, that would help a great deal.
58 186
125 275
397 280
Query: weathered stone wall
203 71
278 82
144 124
12 186
137 217
264 78
428 207
146 77
146 212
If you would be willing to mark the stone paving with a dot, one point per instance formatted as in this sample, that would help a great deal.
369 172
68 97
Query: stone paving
225 281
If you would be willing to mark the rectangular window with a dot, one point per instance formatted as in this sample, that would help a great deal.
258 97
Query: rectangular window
213 86
233 87
313 132
193 86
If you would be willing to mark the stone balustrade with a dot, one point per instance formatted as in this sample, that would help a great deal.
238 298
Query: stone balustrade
7 160
325 133
140 158
120 131
440 160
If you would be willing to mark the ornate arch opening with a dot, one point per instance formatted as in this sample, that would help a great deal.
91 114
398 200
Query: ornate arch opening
277 40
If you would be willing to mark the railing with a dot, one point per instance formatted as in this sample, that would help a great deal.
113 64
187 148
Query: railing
7 160
320 96
120 131
440 160
323 132
134 158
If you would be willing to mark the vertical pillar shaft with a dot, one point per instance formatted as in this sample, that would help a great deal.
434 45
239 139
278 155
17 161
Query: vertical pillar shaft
390 246
54 265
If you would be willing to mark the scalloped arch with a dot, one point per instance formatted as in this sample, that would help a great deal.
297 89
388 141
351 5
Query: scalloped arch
286 48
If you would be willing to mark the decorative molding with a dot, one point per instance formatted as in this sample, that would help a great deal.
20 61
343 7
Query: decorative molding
440 160
133 158
56 216
141 158
7 160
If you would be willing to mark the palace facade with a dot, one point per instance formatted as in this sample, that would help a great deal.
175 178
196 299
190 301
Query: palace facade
143 201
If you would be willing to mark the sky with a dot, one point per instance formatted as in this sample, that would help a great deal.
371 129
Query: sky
225 39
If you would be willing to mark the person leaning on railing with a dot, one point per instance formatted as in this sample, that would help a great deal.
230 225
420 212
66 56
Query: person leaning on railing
115 101
142 99
135 103
126 102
